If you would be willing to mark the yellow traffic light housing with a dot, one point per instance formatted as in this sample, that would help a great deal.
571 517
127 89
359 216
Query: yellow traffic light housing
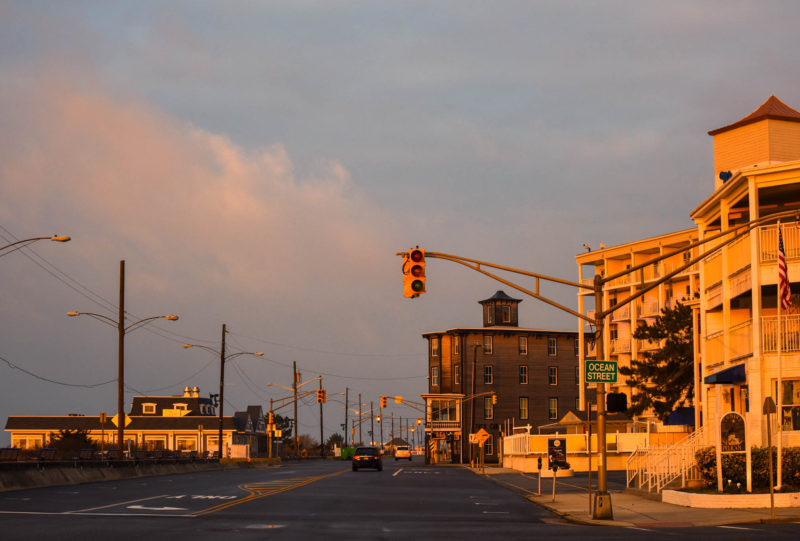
419 421
378 418
494 399
398 399
324 396
383 401
414 273
271 418
319 396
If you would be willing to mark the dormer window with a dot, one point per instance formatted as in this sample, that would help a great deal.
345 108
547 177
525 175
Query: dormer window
182 407
149 409
506 314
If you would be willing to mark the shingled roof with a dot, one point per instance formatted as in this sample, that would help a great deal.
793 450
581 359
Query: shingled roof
773 109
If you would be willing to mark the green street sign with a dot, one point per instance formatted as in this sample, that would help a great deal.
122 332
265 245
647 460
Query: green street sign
601 371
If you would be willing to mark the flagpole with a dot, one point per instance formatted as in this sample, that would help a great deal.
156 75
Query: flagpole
780 360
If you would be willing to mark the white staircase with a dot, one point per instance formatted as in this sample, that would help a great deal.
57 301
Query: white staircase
652 469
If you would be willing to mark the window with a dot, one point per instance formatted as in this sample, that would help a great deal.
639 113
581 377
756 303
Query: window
523 374
434 346
577 404
488 408
523 345
577 375
791 404
489 314
488 446
487 344
506 314
456 345
434 375
186 443
148 409
457 374
551 346
577 347
552 408
181 407
523 407
488 374
552 375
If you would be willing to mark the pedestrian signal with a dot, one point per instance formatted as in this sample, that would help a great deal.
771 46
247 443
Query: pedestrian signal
414 273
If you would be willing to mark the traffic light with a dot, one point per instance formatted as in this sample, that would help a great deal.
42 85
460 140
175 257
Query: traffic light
383 401
378 418
320 398
414 273
616 402
419 421
398 399
271 418
324 396
494 399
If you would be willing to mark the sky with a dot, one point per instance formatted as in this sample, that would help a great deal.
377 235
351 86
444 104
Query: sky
260 164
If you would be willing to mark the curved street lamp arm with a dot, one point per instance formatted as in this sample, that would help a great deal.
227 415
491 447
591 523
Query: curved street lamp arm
227 357
142 322
99 317
57 238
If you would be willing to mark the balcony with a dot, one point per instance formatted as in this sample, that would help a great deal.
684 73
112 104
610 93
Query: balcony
714 353
443 426
649 345
621 314
649 309
620 345
740 340
790 333
769 242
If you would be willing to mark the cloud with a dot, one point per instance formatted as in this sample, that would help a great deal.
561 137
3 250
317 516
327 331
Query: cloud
181 198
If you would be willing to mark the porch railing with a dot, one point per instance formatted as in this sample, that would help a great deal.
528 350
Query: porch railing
790 333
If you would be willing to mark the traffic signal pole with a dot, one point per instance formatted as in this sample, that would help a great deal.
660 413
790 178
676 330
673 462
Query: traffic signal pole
321 440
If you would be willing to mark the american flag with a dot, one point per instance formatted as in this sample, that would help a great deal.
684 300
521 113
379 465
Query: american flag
784 291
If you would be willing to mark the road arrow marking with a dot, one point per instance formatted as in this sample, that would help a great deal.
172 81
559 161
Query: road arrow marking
143 508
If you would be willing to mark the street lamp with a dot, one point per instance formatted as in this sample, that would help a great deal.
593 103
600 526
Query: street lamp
222 359
25 242
121 329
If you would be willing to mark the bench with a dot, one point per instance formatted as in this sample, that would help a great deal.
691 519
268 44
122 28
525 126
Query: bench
45 454
9 454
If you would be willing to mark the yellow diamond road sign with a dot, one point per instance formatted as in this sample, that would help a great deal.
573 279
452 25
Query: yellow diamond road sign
115 420
482 435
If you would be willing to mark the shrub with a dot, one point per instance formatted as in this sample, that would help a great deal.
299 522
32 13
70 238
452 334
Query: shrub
734 466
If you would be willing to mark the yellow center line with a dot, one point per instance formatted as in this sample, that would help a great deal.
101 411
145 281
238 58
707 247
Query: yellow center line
267 488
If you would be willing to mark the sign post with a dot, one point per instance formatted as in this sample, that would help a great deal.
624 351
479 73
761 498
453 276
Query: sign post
556 457
481 436
769 408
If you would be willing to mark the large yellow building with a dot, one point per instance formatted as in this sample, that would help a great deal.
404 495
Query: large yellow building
734 288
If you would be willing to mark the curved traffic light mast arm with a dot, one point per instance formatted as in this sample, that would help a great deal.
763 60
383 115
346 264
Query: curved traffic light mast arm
476 265
477 395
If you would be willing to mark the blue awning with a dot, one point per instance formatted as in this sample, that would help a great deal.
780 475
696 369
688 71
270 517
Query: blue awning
734 374
681 416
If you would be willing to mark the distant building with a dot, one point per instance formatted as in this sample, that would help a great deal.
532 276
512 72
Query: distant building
533 373
181 422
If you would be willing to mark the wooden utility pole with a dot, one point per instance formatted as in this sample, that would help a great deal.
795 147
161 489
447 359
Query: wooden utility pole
371 425
360 439
221 391
296 425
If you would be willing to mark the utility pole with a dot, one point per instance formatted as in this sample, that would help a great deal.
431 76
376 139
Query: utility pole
391 434
296 424
602 502
271 431
346 405
360 439
371 424
221 389
380 415
321 440
121 363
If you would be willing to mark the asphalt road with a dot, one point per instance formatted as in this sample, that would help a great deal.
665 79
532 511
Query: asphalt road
307 500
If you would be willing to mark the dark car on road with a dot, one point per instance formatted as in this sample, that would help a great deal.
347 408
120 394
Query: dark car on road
367 457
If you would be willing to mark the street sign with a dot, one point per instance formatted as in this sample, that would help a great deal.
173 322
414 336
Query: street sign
115 420
556 452
481 435
601 371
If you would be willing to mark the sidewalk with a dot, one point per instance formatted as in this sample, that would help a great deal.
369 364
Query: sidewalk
629 508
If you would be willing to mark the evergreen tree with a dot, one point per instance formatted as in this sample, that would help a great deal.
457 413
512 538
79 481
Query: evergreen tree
663 379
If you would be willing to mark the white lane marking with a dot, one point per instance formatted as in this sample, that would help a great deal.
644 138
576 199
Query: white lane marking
495 512
264 526
143 508
116 504
642 529
398 471
737 528
486 503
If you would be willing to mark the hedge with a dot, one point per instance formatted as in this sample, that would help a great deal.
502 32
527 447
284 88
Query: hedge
734 467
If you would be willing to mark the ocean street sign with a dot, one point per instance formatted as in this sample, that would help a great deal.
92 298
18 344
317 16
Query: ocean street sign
601 371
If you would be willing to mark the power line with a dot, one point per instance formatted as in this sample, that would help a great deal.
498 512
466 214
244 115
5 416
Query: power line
37 376
345 354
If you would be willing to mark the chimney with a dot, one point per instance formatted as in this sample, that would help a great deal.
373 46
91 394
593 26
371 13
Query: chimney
195 392
187 392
